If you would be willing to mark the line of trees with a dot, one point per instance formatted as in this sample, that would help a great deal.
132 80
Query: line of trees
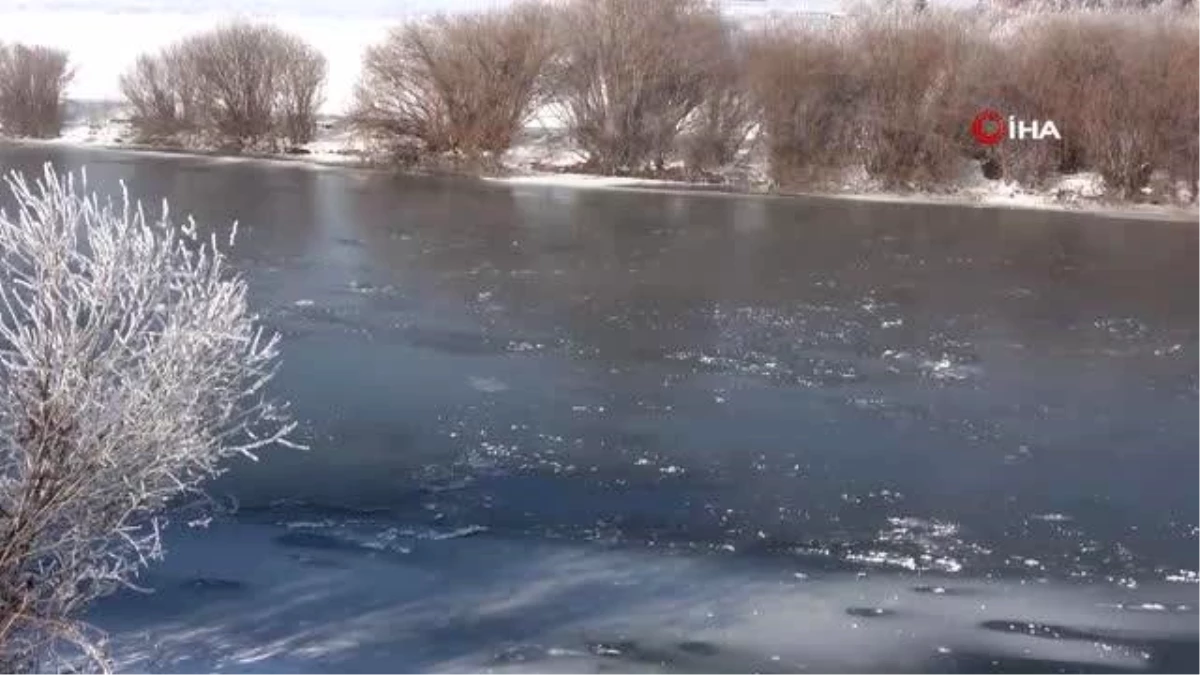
33 80
627 76
641 84
890 89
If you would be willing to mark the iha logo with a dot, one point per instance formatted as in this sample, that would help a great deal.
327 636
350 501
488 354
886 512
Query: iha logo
990 127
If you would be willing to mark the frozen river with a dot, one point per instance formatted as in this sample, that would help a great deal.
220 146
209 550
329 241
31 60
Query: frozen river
588 430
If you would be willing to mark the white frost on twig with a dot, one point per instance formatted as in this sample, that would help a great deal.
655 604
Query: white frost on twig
130 366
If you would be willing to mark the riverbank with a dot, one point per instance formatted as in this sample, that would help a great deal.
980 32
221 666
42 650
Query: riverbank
543 156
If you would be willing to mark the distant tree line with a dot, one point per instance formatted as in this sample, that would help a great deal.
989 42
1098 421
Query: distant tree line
641 85
890 88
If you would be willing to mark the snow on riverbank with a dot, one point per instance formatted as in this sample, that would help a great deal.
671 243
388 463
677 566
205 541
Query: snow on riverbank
297 597
1083 192
543 156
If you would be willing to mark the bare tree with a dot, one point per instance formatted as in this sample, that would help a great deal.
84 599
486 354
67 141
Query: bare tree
235 70
801 78
130 366
463 83
33 80
630 73
240 85
1178 146
300 89
718 129
153 89
912 69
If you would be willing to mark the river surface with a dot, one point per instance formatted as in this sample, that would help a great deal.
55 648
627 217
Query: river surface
809 384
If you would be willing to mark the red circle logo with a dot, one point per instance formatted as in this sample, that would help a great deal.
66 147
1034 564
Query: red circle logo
988 127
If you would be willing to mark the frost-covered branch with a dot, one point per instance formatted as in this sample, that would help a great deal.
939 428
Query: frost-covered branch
130 366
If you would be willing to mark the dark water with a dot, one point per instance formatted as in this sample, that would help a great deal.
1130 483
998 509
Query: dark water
967 391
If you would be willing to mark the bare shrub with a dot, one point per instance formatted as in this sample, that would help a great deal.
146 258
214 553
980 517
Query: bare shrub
1145 108
630 72
912 70
162 93
1045 71
800 76
894 91
245 78
997 86
130 366
33 80
1119 139
718 129
1121 87
464 83
300 90
1178 148
242 85
237 72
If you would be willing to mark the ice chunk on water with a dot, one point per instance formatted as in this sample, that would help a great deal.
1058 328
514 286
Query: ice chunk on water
488 385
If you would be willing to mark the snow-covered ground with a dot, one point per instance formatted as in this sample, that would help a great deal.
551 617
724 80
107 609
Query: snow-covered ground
305 596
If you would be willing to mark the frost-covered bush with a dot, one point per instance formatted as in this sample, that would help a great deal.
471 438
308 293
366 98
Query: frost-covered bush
33 80
130 366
